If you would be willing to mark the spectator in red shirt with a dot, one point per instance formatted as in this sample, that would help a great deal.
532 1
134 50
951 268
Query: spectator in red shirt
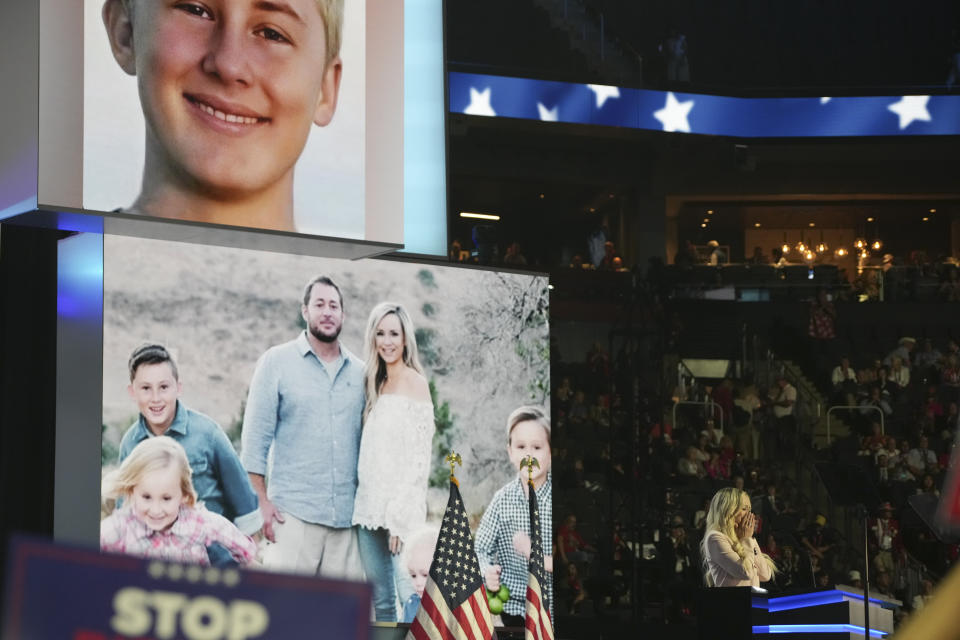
572 546
574 589
723 396
821 329
885 538
772 549
717 468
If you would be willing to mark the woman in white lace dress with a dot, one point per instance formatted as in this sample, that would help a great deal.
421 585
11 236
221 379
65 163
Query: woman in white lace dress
395 451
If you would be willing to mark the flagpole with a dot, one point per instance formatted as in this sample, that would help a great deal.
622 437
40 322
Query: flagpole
537 621
454 604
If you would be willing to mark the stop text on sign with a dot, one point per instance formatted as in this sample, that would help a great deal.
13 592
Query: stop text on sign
138 612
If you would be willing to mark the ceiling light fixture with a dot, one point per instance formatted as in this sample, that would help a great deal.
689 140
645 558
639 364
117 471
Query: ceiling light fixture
822 246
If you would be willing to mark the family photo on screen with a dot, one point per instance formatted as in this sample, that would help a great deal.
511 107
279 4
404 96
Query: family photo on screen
250 419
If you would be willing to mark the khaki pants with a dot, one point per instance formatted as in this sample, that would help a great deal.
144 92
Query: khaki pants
884 561
313 549
743 440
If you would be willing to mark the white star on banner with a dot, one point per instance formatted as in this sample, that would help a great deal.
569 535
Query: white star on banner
825 100
673 116
603 92
479 103
911 108
548 115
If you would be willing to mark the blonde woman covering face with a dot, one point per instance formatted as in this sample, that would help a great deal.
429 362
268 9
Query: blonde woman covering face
732 557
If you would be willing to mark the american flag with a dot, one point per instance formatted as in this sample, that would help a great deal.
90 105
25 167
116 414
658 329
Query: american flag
454 604
538 624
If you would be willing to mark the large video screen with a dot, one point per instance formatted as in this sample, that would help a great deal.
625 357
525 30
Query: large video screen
303 412
244 113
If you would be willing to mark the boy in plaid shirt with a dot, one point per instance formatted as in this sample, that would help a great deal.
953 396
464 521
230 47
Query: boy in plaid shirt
503 538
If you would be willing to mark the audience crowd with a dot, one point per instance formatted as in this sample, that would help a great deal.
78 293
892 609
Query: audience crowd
634 484
906 454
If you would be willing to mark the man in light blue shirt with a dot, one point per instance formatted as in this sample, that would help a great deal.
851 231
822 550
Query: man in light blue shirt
304 413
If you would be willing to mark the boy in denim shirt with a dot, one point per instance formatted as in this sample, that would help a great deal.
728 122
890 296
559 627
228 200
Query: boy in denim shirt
220 480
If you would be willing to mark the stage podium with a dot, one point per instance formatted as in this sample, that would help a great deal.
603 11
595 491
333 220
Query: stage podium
736 613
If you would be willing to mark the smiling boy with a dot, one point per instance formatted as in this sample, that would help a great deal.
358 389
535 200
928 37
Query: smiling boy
220 481
230 90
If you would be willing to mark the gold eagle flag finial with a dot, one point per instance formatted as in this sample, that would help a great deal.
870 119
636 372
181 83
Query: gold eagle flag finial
453 459
530 462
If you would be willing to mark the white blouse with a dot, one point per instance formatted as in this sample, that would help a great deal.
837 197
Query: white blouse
394 465
725 566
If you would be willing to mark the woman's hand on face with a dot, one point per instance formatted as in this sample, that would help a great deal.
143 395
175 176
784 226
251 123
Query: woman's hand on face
746 523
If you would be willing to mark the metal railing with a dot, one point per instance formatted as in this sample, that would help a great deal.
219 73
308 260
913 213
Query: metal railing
685 379
883 426
598 33
911 574
706 402
808 407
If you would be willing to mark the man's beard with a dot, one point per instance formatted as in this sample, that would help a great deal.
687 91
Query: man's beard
323 337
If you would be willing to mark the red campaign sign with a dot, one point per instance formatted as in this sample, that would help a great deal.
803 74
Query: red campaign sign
70 593
948 512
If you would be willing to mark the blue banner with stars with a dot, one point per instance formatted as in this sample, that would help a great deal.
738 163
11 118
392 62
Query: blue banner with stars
551 101
56 591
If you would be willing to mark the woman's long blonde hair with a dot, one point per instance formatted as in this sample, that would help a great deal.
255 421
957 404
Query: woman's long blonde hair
376 371
153 454
721 516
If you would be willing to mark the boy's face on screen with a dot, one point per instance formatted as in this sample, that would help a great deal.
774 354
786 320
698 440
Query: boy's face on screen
157 498
155 390
529 438
229 88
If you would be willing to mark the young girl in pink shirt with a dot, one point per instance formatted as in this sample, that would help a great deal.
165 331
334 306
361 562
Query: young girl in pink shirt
160 516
